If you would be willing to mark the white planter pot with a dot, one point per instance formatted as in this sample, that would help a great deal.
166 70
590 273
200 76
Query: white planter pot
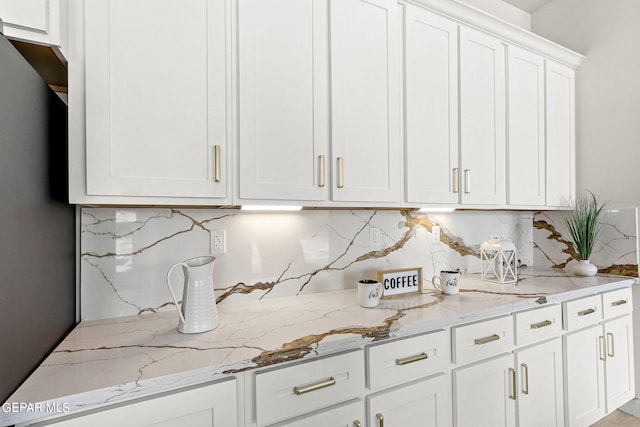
585 268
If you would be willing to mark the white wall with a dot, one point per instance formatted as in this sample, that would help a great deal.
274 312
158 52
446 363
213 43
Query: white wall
502 10
607 99
607 92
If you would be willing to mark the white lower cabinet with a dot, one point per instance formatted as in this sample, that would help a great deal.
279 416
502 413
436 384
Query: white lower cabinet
210 406
348 415
539 396
598 359
425 403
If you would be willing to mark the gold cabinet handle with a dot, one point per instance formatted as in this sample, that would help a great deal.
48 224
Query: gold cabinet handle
456 180
617 303
313 387
525 367
587 311
603 354
541 324
322 167
357 423
411 359
216 151
340 172
612 346
513 383
485 340
380 419
467 181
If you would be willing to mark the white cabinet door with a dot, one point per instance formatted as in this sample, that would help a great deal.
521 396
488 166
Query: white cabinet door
584 353
283 118
210 406
156 98
482 118
36 21
348 415
365 109
540 388
431 94
526 166
560 101
426 403
619 369
484 394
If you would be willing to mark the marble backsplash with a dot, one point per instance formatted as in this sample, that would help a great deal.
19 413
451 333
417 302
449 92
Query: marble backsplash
616 251
125 253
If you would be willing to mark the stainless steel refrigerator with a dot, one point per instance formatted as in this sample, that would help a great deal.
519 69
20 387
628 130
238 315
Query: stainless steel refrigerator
37 225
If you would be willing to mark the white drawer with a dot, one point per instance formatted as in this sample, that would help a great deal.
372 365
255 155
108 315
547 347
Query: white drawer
407 359
538 324
617 303
483 339
287 392
581 312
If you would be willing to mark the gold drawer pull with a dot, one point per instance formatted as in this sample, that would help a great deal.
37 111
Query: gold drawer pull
380 419
322 168
313 387
456 180
611 353
603 348
485 340
617 303
526 378
357 423
340 172
411 359
585 312
541 324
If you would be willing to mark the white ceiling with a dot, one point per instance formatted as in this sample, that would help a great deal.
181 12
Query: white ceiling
528 5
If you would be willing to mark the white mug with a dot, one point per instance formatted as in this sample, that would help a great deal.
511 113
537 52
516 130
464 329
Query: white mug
448 282
369 293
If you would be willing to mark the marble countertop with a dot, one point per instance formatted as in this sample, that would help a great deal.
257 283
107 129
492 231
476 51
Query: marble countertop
108 361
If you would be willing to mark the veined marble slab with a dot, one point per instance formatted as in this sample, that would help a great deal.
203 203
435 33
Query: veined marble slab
125 253
113 360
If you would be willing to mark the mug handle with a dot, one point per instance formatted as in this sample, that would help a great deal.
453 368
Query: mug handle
175 300
433 282
380 289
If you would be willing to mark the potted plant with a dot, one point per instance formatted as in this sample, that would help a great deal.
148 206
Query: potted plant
583 223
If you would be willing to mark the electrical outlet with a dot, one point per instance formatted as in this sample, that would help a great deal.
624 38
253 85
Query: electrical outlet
375 237
218 242
435 233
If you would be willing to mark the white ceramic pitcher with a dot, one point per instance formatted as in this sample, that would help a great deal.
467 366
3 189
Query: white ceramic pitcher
198 312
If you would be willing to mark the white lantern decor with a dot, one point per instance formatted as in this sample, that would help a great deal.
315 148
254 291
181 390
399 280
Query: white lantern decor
498 260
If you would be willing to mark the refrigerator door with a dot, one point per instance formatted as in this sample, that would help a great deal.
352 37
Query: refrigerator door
37 226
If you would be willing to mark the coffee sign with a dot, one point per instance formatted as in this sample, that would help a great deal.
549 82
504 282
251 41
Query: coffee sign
400 282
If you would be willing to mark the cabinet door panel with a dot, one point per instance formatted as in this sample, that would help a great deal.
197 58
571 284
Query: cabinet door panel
32 20
619 369
526 128
560 134
584 376
283 98
153 123
481 394
426 403
365 101
431 75
342 416
482 118
540 389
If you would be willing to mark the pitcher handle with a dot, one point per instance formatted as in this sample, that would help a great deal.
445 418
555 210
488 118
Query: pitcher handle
175 300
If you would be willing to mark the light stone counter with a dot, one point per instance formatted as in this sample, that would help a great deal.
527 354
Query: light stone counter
109 361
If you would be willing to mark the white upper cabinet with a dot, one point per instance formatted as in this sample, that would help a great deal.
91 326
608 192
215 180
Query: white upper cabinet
526 163
283 116
156 123
38 21
431 96
482 118
560 103
307 77
365 103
